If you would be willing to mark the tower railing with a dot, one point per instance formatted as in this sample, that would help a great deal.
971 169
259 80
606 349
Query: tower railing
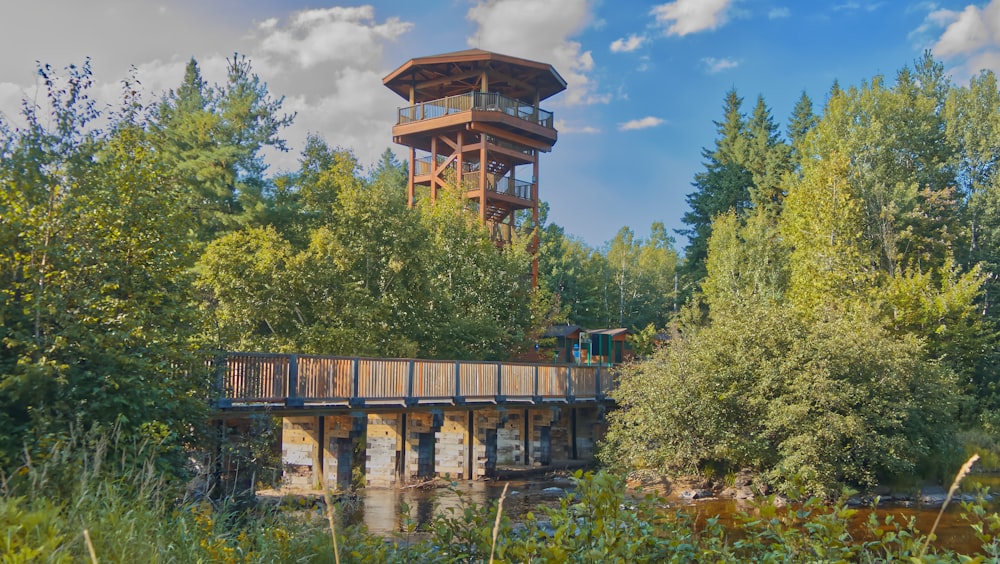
504 185
470 179
423 164
527 151
486 101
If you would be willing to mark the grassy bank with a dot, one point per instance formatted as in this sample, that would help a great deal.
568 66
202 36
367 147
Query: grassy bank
98 500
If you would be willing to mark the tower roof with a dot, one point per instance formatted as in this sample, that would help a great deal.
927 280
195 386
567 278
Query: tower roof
439 76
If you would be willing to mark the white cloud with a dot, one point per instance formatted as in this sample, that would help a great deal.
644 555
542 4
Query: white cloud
541 31
971 37
347 116
642 123
856 6
713 65
985 60
935 19
114 34
925 6
268 24
779 13
627 44
969 31
563 127
691 16
10 100
346 35
162 75
328 63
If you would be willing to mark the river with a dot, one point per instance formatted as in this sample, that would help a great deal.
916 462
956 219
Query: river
382 510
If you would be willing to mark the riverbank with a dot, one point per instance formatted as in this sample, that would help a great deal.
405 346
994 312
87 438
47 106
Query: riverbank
415 510
562 467
743 487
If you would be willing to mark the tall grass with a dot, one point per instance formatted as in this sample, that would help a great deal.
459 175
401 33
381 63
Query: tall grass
962 473
95 498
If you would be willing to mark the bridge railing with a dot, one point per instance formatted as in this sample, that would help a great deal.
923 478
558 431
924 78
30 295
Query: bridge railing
299 380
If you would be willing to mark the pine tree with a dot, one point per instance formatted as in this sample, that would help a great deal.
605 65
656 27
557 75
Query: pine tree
803 121
723 186
767 157
212 140
185 128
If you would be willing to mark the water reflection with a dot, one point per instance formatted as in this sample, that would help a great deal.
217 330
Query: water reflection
382 511
954 531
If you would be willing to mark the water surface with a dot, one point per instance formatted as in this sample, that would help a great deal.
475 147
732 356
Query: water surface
388 511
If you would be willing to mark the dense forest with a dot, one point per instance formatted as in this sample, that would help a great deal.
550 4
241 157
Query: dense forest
833 318
840 320
139 238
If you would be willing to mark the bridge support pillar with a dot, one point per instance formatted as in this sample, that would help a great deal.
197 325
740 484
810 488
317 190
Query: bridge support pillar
588 430
562 434
511 433
338 451
384 445
540 425
452 444
483 442
300 451
420 451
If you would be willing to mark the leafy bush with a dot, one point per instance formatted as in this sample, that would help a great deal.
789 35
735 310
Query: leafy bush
810 405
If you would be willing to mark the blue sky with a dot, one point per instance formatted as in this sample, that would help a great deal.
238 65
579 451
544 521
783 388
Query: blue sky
646 79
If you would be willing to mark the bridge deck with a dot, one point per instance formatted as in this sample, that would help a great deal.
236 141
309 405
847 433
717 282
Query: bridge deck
256 381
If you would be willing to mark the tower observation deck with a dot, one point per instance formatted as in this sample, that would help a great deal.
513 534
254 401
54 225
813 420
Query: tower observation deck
474 123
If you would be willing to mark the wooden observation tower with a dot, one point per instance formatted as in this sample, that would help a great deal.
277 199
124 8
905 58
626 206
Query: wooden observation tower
473 122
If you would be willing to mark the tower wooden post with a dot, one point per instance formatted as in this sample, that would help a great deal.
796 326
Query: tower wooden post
477 113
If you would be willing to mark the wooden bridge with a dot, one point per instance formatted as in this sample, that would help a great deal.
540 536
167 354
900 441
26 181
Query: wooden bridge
413 418
254 381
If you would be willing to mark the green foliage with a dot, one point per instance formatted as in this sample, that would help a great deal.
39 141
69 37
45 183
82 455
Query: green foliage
823 224
843 314
29 534
95 288
896 163
644 341
479 294
813 404
246 273
767 158
628 283
744 171
211 140
598 521
642 274
463 532
370 276
98 483
802 121
973 127
863 406
563 270
747 262
874 216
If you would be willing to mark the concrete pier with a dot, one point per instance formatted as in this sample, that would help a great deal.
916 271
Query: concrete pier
409 445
